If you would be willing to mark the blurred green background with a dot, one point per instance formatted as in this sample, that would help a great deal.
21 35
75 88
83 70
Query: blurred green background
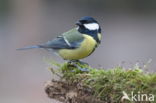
129 35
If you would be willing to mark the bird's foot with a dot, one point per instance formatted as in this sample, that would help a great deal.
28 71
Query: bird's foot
77 64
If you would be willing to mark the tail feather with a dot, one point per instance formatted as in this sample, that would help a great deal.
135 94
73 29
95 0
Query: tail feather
29 47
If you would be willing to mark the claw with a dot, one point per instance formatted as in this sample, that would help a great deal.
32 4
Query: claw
78 61
84 69
75 64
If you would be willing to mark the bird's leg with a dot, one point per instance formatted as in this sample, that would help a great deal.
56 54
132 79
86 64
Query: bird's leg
76 64
78 61
83 63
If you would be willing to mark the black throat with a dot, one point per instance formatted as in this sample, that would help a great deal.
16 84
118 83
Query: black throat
93 33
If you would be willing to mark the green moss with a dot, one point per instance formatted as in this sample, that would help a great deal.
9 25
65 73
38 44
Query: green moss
109 85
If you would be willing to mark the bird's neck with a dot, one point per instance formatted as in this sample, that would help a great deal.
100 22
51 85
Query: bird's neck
92 33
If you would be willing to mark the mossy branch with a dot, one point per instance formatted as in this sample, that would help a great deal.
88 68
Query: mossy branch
99 85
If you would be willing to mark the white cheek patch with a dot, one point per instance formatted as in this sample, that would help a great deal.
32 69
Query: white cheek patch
92 26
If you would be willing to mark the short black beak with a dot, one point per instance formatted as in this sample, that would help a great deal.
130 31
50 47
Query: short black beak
78 23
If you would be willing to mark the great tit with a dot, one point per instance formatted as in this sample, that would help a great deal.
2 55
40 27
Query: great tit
76 43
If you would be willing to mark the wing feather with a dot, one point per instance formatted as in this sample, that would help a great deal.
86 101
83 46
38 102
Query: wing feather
69 40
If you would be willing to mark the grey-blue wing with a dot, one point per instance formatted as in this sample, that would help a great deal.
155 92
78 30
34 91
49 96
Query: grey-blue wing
61 43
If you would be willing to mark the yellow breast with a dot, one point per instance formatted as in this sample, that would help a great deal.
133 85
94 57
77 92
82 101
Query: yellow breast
86 48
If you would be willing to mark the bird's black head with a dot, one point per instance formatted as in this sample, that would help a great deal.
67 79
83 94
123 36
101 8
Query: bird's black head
86 20
88 25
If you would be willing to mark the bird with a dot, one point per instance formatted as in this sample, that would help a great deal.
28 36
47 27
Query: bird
77 43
